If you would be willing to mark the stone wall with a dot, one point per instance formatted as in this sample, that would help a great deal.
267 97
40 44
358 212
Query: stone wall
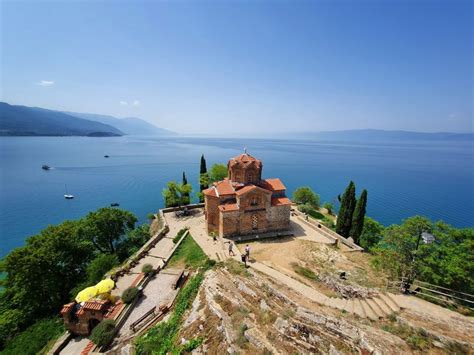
229 223
212 214
279 217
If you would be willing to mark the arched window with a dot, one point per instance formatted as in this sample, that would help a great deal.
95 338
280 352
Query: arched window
249 177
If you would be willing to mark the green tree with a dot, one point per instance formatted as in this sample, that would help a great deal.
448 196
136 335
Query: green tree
99 266
372 233
217 173
35 337
344 217
176 195
203 178
134 241
187 196
305 196
41 273
396 252
358 217
106 227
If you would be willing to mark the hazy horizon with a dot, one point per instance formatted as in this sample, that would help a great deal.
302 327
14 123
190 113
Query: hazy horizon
254 68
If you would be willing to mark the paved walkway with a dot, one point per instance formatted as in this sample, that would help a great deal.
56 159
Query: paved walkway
158 291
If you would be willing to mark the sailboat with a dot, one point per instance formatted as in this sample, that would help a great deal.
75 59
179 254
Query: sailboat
68 196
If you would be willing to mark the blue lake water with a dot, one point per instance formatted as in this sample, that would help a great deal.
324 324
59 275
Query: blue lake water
435 179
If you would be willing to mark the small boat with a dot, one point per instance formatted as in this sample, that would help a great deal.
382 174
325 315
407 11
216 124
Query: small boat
68 196
115 204
46 167
106 156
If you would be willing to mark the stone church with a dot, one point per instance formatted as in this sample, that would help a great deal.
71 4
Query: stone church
244 203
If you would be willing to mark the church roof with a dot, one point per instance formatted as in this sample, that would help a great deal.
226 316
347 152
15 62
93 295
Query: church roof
229 207
273 184
281 201
220 188
245 159
249 188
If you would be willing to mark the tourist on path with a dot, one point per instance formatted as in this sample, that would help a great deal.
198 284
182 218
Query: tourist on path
231 248
247 251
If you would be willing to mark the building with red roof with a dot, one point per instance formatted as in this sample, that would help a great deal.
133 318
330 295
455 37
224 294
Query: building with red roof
244 203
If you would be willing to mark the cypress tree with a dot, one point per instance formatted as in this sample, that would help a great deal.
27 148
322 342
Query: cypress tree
186 196
202 171
344 218
358 217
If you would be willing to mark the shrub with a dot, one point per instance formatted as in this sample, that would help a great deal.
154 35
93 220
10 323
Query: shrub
330 207
311 211
103 333
150 216
129 295
147 269
305 196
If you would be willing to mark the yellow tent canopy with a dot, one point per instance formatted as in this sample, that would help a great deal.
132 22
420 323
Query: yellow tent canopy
105 286
86 294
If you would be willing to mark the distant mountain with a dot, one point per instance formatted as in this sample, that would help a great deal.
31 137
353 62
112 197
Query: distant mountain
128 125
382 135
33 121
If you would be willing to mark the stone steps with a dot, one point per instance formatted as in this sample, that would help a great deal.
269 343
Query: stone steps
369 312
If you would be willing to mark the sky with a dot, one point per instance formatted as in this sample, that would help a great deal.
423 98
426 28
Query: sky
234 68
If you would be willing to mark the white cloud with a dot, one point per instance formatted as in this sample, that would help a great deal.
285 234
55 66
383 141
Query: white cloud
46 83
136 103
123 103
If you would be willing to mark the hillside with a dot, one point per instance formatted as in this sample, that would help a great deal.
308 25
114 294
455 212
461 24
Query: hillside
33 121
128 125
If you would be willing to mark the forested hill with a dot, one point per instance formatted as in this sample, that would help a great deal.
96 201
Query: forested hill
34 121
128 125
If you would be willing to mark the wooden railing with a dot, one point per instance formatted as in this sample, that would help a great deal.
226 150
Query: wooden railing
437 294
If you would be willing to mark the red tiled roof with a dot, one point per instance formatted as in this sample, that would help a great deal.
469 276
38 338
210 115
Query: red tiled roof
210 191
273 184
224 187
281 201
229 207
245 159
249 188
66 308
95 305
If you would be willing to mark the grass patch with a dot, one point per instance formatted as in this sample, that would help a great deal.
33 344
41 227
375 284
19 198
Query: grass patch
241 339
189 253
162 338
236 268
37 338
304 271
288 313
417 339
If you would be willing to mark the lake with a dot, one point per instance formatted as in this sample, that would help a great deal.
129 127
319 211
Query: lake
435 178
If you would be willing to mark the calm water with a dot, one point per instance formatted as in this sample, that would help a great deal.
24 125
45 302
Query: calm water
435 179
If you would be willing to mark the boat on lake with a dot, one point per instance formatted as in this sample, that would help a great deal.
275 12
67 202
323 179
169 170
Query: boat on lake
114 204
46 167
68 196
106 156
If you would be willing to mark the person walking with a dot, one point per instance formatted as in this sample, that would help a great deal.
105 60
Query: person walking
231 249
247 251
